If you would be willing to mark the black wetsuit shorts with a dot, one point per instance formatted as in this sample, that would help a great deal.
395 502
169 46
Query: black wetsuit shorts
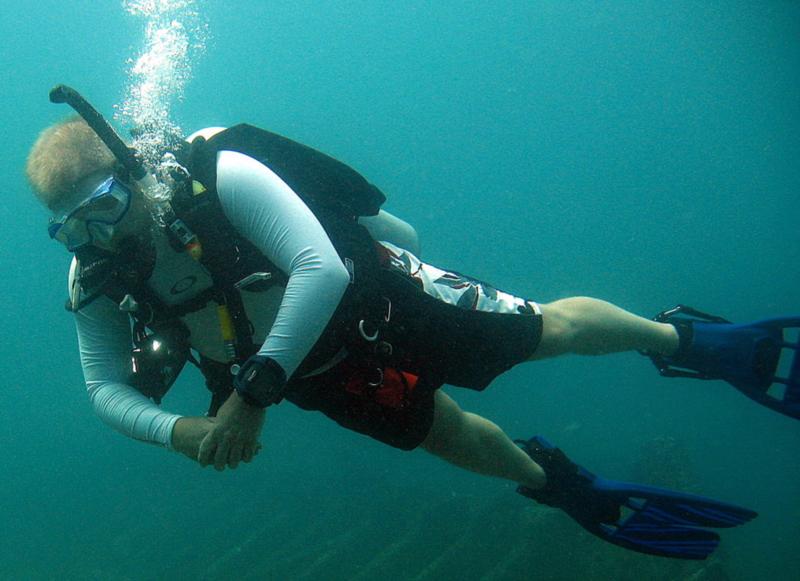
444 328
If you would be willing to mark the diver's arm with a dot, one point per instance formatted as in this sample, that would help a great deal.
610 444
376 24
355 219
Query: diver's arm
267 212
104 338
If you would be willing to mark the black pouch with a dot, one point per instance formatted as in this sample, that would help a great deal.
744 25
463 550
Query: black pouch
158 359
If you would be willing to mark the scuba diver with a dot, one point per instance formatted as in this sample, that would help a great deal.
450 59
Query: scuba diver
272 267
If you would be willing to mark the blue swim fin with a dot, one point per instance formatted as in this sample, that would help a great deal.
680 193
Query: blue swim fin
641 518
744 355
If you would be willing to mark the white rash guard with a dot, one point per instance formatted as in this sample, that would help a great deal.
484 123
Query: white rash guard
269 214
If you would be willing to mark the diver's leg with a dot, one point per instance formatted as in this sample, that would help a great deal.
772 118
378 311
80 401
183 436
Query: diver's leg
476 444
587 326
388 227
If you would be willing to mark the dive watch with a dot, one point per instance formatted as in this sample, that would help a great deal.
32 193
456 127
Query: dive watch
261 381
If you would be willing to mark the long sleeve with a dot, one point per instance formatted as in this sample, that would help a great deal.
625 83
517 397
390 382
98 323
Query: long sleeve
269 214
104 339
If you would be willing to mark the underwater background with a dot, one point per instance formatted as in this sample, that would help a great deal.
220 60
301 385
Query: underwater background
643 152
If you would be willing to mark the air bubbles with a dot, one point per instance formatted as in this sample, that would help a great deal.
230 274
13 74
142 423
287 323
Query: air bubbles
155 7
174 34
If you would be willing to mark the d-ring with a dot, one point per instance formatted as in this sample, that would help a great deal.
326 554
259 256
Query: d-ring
363 333
380 378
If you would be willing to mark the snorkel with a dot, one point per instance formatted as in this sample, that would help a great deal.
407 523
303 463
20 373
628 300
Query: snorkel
127 156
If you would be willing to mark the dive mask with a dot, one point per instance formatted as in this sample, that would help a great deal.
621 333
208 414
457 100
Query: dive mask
94 218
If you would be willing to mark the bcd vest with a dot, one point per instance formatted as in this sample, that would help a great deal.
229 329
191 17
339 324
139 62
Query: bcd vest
334 192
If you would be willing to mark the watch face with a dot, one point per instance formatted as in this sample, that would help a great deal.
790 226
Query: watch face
250 374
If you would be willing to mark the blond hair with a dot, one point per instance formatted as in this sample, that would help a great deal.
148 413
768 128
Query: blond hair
64 154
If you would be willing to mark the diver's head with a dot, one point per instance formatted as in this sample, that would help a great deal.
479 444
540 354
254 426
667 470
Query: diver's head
65 155
76 176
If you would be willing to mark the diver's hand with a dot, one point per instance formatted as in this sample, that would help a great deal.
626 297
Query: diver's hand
234 436
188 433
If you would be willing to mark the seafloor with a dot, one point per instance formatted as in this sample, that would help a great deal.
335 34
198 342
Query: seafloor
382 534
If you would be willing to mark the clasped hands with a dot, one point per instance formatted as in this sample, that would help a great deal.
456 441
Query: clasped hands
225 440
